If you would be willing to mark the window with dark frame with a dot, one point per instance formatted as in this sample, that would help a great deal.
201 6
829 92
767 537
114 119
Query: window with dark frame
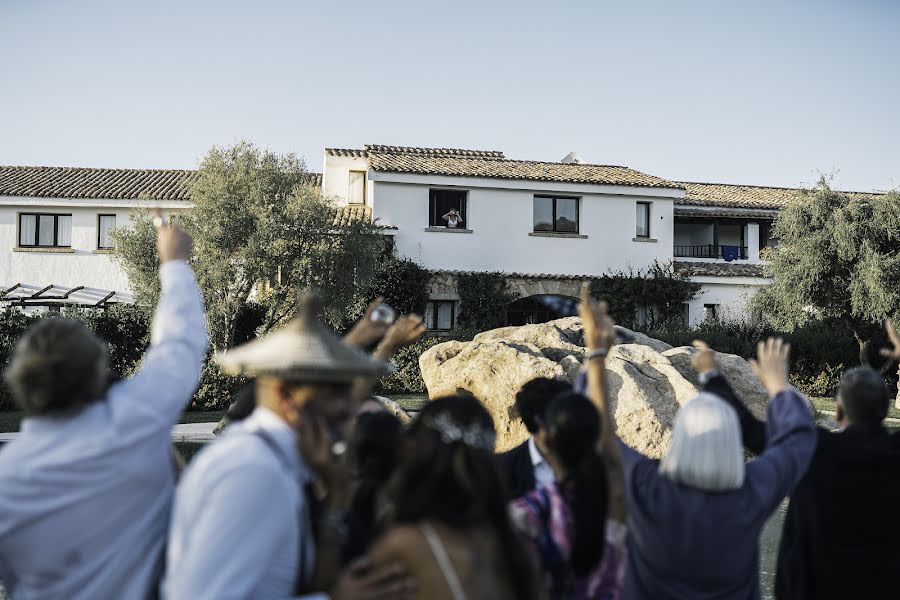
556 214
642 229
441 202
711 312
105 225
357 192
38 230
440 315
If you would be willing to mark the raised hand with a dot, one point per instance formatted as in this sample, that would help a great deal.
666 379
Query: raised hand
893 352
771 365
704 359
599 329
367 331
405 331
172 242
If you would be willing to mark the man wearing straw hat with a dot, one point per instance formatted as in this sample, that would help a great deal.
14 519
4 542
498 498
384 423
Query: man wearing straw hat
86 488
244 521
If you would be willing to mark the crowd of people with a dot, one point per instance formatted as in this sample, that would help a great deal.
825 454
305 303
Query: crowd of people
316 490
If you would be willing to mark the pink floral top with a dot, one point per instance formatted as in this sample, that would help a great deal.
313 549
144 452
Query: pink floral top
545 518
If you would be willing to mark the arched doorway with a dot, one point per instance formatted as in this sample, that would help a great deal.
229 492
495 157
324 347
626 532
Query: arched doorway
540 309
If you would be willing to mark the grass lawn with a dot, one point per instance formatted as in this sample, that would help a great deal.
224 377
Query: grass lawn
827 404
413 402
10 420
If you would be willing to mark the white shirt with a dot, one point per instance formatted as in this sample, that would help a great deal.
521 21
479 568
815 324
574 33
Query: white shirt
85 500
238 516
543 472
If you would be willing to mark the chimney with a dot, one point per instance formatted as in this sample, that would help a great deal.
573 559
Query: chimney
572 158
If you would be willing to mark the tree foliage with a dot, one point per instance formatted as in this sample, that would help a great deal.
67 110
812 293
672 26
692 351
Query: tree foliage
483 298
837 261
659 288
261 231
402 283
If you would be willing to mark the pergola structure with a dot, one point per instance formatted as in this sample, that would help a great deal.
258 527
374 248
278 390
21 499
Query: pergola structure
56 296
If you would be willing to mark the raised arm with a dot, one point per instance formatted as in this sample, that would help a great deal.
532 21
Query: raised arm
172 365
753 431
791 432
599 336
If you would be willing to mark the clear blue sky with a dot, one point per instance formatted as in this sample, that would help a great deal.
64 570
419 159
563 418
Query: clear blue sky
763 92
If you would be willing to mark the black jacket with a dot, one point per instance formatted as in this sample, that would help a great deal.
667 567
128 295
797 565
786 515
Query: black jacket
841 536
517 470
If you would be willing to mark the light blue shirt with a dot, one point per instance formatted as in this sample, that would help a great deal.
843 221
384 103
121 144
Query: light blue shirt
85 500
240 515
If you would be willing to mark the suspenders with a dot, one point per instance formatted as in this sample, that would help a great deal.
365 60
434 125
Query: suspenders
302 578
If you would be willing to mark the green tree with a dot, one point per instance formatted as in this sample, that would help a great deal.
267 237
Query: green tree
837 261
659 288
261 230
483 301
402 283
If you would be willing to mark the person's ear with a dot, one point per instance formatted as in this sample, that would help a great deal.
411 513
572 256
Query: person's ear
838 409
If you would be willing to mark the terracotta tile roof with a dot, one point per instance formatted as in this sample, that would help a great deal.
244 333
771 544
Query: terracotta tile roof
111 184
76 182
745 196
717 211
354 213
719 269
345 152
513 169
451 152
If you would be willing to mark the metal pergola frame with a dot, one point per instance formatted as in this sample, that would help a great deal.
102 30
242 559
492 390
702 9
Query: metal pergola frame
53 295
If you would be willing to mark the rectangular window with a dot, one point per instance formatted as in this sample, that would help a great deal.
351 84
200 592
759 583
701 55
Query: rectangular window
440 315
357 193
105 226
642 230
556 214
447 208
711 312
686 314
45 231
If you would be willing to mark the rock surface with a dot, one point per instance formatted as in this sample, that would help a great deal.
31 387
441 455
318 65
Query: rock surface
648 379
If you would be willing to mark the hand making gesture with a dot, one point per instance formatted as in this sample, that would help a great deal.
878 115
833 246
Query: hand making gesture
894 351
771 365
599 329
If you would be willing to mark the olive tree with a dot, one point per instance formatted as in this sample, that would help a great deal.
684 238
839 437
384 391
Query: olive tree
263 232
837 261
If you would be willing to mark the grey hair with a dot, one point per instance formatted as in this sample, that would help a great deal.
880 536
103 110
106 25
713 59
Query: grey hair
59 366
706 451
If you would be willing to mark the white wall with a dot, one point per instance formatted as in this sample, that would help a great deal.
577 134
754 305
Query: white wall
84 266
336 176
730 293
501 219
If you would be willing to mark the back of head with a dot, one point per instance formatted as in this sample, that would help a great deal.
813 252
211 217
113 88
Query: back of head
375 450
448 473
864 396
59 366
573 430
533 398
706 451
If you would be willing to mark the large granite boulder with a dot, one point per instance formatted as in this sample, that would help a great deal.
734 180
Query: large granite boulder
648 379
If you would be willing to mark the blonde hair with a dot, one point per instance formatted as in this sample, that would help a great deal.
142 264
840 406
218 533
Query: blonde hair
706 451
59 366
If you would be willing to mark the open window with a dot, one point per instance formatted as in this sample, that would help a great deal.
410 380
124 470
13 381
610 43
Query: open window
555 214
447 208
45 231
440 315
710 312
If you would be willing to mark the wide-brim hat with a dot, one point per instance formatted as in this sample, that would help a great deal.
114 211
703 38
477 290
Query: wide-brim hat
304 350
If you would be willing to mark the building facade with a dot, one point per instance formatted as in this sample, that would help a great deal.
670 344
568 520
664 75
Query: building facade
549 226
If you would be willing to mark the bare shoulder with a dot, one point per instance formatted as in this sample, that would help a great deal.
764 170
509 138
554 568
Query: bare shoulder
402 542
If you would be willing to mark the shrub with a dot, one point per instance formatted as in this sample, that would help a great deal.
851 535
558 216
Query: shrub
403 284
483 298
217 390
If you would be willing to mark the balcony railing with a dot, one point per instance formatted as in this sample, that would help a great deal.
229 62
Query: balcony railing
707 251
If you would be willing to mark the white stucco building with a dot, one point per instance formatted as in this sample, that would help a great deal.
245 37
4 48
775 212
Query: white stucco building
548 225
